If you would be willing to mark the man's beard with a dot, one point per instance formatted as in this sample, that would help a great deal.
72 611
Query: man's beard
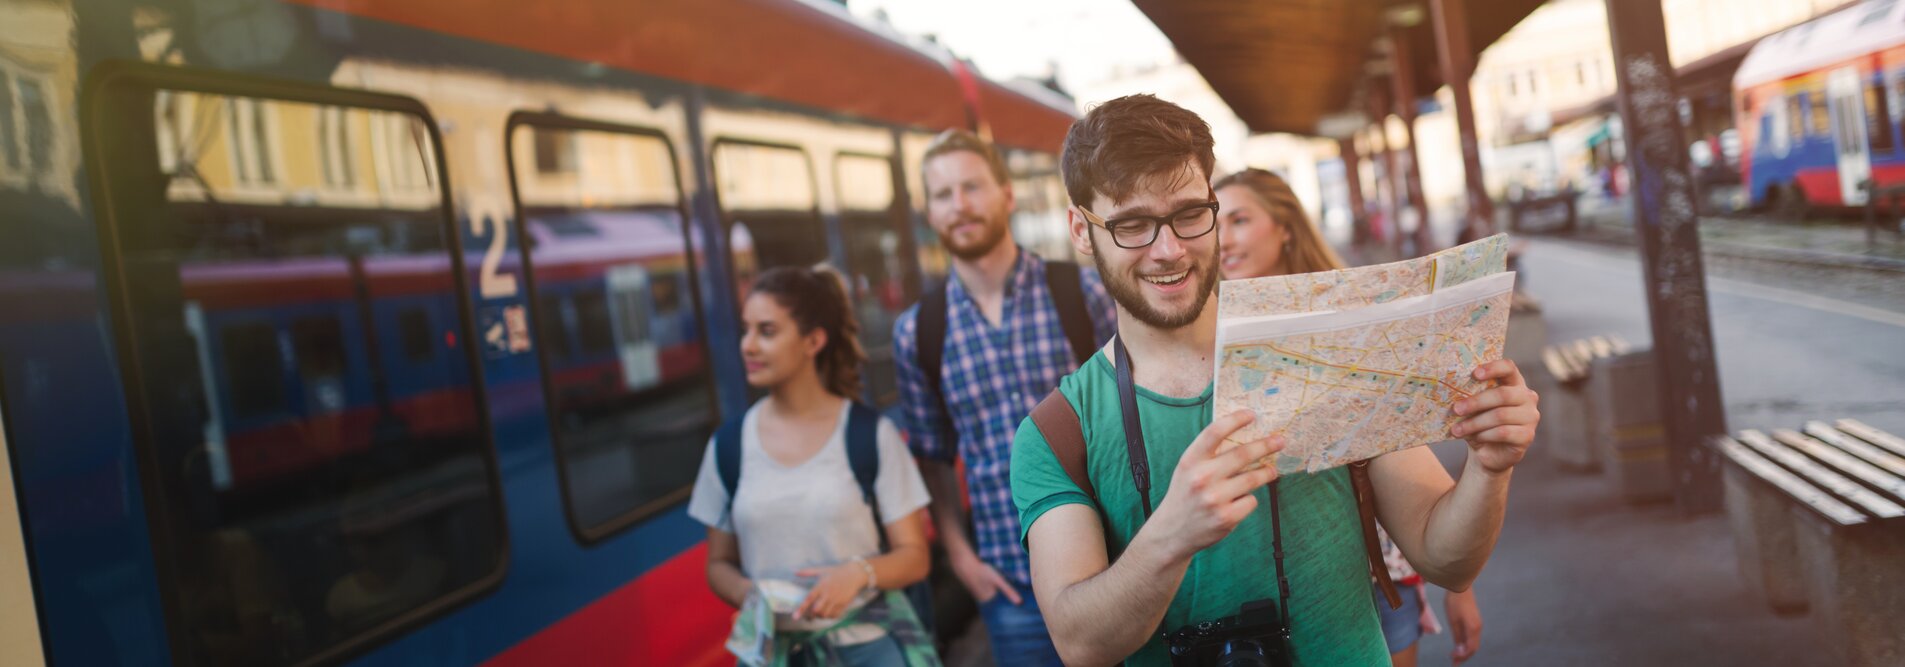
1124 289
993 233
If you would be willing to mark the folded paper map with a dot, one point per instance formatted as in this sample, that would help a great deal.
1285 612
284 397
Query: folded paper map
1360 362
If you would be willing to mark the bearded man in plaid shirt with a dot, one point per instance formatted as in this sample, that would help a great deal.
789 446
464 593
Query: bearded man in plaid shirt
1010 326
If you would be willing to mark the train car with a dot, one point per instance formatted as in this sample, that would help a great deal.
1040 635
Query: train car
1819 109
392 331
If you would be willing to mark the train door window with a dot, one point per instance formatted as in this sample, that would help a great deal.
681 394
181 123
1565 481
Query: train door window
9 135
880 268
316 486
767 201
1038 222
613 270
1821 113
1878 118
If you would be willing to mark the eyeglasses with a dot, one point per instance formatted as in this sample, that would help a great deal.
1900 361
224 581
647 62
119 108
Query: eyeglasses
1140 231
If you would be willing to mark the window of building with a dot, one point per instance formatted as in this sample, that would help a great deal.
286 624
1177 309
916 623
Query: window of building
335 147
37 111
9 135
622 343
289 481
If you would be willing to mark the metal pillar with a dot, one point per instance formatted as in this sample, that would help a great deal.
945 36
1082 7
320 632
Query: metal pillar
1391 178
1665 221
1353 178
1453 53
1404 81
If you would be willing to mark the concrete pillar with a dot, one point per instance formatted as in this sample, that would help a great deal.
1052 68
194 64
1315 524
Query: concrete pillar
1353 177
1403 80
1668 231
1453 54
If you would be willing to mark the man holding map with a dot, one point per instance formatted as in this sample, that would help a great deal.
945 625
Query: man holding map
1161 535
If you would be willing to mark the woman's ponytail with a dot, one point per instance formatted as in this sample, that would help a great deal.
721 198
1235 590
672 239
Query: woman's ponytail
817 298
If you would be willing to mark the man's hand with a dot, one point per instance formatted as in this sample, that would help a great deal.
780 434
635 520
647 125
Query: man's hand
980 579
1500 422
1465 624
1210 492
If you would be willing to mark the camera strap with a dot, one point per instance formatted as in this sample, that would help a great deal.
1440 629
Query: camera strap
1141 471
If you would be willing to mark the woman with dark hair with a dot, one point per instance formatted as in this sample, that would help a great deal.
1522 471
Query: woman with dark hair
1263 231
792 532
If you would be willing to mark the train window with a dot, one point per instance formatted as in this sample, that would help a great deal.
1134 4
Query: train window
413 325
314 491
1038 222
253 371
630 385
1795 117
769 192
1821 113
879 270
1878 118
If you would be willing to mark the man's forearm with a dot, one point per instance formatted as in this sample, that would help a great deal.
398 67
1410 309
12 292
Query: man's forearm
948 506
1107 617
1463 526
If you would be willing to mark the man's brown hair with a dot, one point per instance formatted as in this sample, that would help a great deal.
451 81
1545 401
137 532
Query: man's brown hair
1123 142
955 140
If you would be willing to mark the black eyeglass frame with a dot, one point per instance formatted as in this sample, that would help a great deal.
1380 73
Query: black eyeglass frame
1158 223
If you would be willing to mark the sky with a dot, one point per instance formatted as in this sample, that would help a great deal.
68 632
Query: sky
1086 39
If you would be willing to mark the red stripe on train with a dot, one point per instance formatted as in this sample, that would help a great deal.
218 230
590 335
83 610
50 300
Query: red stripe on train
665 617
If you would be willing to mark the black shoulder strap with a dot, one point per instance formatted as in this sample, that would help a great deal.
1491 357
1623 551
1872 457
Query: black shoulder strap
929 344
1061 279
727 455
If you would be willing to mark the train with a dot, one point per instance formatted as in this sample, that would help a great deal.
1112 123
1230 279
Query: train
392 332
1819 107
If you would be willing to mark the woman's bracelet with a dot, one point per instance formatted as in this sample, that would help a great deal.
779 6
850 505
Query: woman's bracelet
873 580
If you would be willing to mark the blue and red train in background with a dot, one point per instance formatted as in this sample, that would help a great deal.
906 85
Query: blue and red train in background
392 331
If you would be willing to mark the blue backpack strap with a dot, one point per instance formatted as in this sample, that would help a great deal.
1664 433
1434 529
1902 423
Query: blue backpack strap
863 448
727 455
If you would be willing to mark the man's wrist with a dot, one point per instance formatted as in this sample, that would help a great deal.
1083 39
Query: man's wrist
1482 472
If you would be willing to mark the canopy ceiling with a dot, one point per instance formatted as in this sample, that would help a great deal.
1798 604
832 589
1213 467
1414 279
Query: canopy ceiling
1285 65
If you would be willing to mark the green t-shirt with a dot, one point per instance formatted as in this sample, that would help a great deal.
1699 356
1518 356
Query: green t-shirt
1333 614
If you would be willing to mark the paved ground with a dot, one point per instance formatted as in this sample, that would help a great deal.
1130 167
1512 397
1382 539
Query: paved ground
1580 578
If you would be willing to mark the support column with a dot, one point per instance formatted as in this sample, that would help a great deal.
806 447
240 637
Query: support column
1665 222
1396 198
1353 177
1453 53
1404 81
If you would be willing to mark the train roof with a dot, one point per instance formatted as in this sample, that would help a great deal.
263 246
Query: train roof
1842 35
808 53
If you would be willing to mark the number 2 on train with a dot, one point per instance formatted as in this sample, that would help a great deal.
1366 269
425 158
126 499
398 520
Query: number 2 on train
492 283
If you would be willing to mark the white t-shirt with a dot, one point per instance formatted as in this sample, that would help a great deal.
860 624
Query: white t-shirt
787 518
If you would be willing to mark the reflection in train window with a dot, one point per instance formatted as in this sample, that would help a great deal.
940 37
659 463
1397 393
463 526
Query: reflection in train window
879 267
770 190
631 390
1038 221
321 478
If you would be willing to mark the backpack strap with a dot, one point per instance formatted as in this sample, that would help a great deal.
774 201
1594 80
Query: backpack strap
863 456
1058 422
1372 547
929 343
727 456
1062 281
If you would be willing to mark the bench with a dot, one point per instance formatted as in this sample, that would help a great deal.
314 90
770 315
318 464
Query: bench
1818 519
1545 209
1568 415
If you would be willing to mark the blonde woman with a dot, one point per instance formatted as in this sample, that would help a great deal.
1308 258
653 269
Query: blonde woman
1262 231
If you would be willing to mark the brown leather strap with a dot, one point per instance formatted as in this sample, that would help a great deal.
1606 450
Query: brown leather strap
1372 547
1058 422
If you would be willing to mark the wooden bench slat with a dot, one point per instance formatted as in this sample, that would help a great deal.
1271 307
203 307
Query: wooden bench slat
1845 462
1557 366
1875 504
1872 435
1602 348
1801 491
1620 344
1886 460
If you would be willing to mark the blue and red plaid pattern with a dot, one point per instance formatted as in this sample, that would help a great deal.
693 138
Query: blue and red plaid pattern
993 377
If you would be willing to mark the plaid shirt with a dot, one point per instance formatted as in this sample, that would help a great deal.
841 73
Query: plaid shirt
994 377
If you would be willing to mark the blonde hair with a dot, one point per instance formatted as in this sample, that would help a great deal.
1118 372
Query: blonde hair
1306 252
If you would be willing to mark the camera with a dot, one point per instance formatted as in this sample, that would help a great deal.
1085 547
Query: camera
1256 635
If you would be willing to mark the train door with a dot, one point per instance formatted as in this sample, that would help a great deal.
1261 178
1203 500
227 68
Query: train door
880 266
20 635
1846 99
629 314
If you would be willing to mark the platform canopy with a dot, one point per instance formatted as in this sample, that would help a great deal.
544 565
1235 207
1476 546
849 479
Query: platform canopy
1287 65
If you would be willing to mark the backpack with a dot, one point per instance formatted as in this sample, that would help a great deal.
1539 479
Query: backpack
1058 422
1061 281
863 457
